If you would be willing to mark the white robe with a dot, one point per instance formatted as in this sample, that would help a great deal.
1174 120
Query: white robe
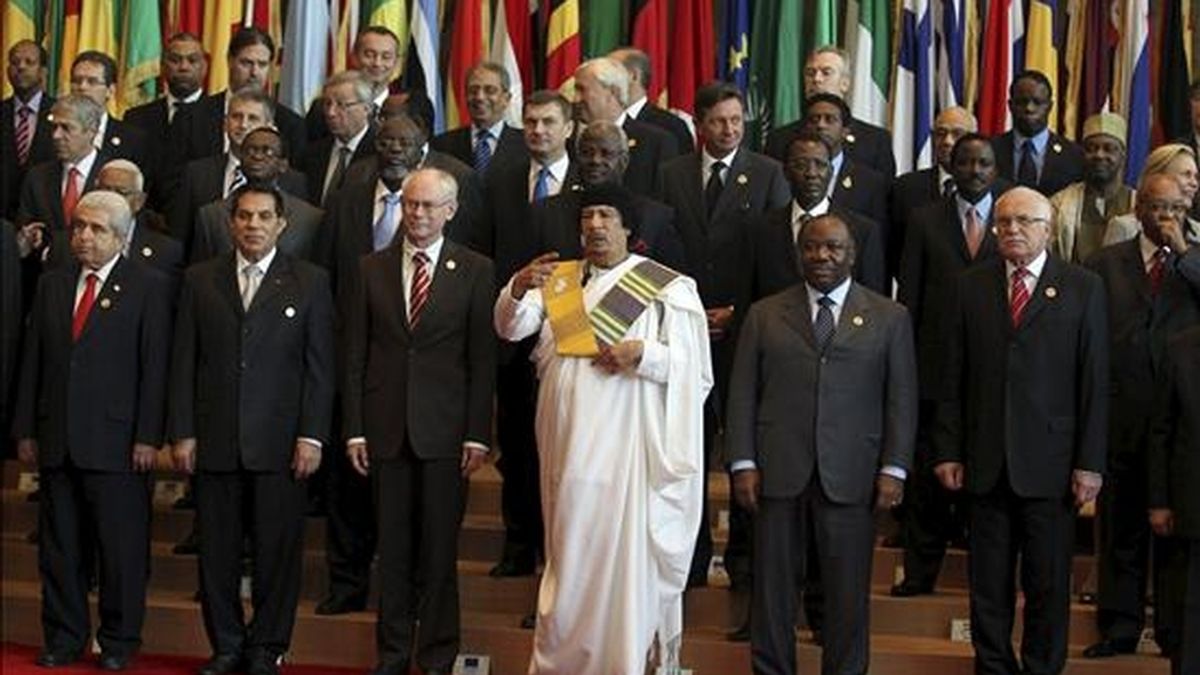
622 461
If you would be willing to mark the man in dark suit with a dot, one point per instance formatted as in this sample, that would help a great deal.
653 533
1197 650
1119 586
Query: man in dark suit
10 329
94 75
418 418
822 420
149 241
637 64
1174 448
264 162
487 142
1023 430
1153 288
917 188
717 192
827 71
52 188
946 237
602 91
24 127
775 235
90 413
1030 154
251 399
346 101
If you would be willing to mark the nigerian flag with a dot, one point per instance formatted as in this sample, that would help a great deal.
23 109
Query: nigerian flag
871 56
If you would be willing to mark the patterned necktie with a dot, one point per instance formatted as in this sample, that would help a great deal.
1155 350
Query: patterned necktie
385 228
1157 271
823 327
974 231
712 189
84 308
483 150
236 181
948 187
1027 171
24 134
251 278
1018 296
541 187
70 195
419 291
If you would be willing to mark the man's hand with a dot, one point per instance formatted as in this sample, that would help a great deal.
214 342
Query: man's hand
533 275
746 487
889 492
357 452
184 452
143 457
30 237
718 320
1085 485
472 458
622 357
1172 233
1162 521
305 460
950 474
27 450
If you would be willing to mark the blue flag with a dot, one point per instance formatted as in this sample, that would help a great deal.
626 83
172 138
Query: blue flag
733 59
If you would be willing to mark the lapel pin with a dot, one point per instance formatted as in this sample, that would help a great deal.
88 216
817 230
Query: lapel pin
116 140
741 179
847 182
850 138
450 264
633 142
147 251
1051 292
105 303
289 311
857 320
116 288
1057 148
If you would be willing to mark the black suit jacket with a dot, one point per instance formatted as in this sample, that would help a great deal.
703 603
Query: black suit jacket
151 119
935 257
122 140
842 413
247 383
1139 325
663 119
717 247
1063 163
1030 402
865 143
458 144
774 252
203 182
91 400
11 296
315 162
649 148
41 149
1174 447
909 191
199 129
41 193
861 189
471 220
430 386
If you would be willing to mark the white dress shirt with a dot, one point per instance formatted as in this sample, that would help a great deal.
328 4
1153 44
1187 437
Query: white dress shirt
706 164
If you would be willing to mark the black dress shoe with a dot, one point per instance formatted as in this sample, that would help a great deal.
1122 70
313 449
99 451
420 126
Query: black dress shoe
1106 648
907 589
114 661
51 659
263 665
221 664
189 546
338 604
389 669
512 567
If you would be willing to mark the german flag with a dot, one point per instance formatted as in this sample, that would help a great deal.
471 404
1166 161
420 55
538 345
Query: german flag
562 46
650 24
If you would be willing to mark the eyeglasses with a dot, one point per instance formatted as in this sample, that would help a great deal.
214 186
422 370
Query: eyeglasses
1172 208
417 206
340 106
1018 222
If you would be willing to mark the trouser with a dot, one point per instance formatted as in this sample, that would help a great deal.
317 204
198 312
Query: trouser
350 529
520 494
932 515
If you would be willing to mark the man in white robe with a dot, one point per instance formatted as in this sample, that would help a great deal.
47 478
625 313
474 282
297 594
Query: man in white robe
620 437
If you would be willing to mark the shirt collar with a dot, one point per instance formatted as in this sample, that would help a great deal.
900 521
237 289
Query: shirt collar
707 160
263 264
381 190
1039 140
620 121
558 168
190 98
495 130
34 103
432 251
820 209
352 144
635 109
102 273
942 177
381 97
838 294
84 166
1147 247
101 131
983 207
1034 268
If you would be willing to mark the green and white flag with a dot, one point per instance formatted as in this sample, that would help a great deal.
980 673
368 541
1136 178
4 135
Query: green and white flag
869 41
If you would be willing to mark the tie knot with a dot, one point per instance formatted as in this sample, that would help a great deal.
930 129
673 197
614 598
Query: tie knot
73 172
419 258
391 198
1019 274
24 112
718 166
483 135
825 301
252 270
543 173
1027 146
92 278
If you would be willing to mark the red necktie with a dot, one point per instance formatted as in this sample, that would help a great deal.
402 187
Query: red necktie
24 134
84 308
1018 295
70 195
419 291
1155 273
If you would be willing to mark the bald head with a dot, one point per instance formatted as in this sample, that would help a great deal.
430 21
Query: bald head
950 125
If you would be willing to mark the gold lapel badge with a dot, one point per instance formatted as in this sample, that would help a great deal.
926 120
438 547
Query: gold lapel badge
847 182
857 320
1051 292
1057 148
450 265
147 251
105 303
741 179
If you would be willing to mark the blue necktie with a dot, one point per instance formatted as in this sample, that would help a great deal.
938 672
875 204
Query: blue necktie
483 150
1027 169
823 325
541 188
385 227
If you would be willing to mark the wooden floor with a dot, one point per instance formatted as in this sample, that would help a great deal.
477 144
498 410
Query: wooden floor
909 636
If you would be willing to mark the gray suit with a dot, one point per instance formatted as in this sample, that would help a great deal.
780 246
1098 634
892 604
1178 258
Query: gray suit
819 425
299 239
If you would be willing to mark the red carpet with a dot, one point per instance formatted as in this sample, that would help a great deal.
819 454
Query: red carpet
18 660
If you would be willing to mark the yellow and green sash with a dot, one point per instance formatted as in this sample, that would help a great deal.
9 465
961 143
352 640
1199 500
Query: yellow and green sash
627 299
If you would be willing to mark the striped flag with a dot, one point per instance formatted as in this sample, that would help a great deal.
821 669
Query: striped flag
871 56
393 15
692 57
734 53
650 26
912 101
423 62
824 30
1041 51
184 16
220 21
952 52
468 46
141 50
344 17
61 40
1131 81
562 46
511 47
20 23
1073 67
1003 57
306 39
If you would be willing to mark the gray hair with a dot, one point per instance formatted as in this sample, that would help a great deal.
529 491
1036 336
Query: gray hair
610 73
120 218
85 111
139 181
364 91
836 51
493 67
447 183
255 95
635 61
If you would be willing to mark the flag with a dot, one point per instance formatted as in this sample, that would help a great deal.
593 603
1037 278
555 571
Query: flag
692 57
468 46
562 46
61 40
1098 59
951 32
344 16
773 93
650 26
1041 52
1003 54
306 39
1131 81
391 14
20 23
141 50
184 16
220 21
1172 104
512 49
824 30
421 70
603 30
788 94
971 30
99 26
1073 67
912 102
871 59
734 53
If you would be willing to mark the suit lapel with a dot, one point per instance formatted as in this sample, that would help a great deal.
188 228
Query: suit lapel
1044 292
694 185
272 283
394 276
442 283
227 283
853 318
956 232
798 315
107 296
1135 267
737 180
